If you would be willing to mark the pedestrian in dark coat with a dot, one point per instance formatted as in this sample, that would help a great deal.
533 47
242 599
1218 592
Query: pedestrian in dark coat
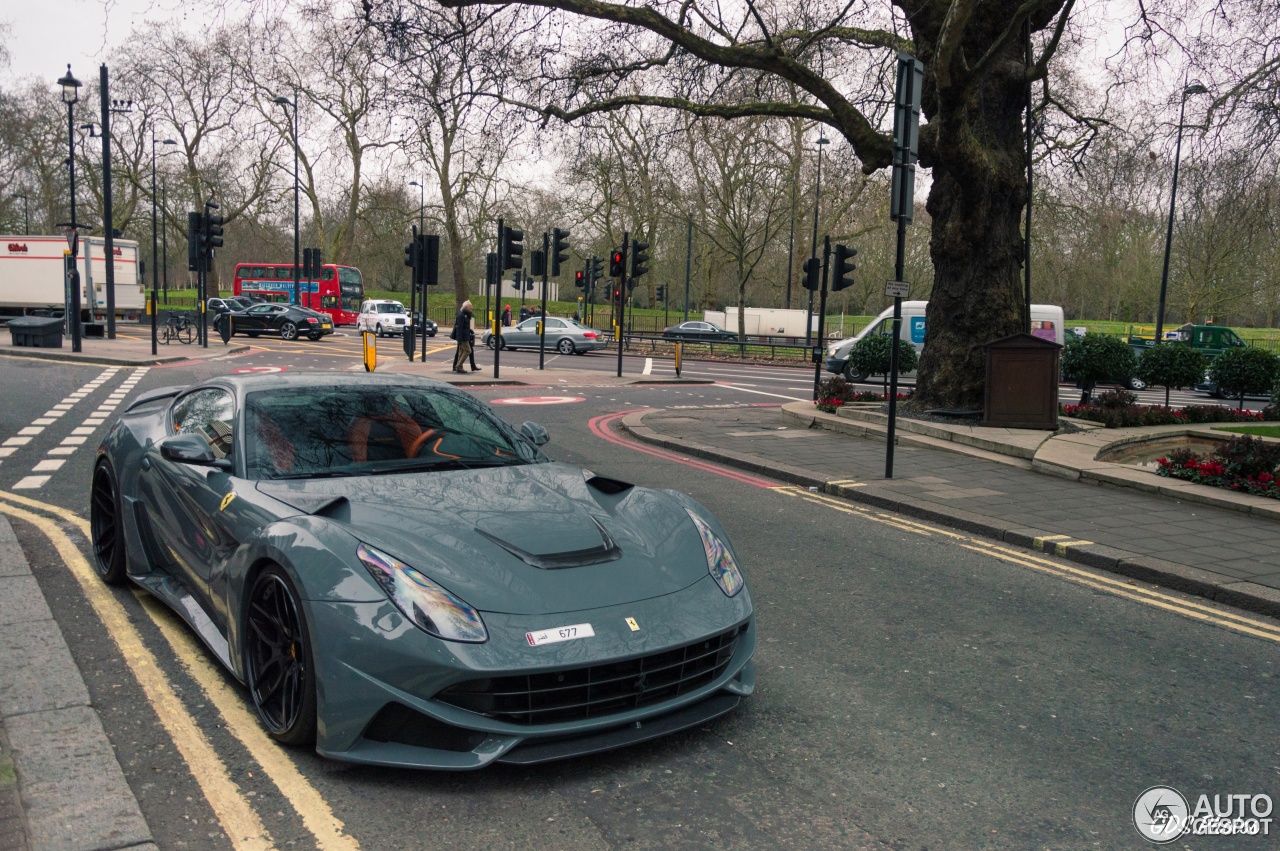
465 337
506 316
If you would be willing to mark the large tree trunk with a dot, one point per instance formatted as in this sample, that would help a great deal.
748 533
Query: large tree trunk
976 202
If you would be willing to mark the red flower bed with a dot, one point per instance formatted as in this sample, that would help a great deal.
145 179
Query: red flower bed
1243 464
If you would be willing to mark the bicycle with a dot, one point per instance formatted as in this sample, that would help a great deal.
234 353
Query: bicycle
177 327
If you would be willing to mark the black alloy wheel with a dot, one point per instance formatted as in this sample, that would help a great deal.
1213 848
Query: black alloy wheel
105 527
288 331
278 659
315 336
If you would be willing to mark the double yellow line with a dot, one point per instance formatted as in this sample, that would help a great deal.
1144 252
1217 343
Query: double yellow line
1119 588
238 819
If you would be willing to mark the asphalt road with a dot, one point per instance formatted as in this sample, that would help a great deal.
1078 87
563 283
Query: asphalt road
917 689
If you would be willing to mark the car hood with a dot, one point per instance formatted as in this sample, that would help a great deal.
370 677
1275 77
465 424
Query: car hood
529 539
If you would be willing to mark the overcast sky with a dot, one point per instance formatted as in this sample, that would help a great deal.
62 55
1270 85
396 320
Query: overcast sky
44 35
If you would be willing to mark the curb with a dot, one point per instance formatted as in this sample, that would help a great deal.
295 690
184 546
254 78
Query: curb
1223 589
72 791
108 360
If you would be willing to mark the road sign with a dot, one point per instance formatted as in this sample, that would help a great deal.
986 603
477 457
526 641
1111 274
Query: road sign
897 289
538 400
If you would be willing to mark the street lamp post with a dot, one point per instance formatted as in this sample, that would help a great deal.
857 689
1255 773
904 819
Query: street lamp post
155 245
813 251
286 103
1187 91
70 95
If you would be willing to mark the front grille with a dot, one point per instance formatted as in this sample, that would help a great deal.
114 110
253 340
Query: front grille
598 690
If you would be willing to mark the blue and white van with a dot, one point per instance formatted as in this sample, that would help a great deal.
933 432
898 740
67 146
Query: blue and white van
1046 322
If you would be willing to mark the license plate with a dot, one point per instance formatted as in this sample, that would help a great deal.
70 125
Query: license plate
325 325
559 633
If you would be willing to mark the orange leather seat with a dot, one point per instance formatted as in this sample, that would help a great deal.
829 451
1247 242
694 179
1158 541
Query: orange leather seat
384 437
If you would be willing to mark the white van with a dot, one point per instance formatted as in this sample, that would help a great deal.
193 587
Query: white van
1046 322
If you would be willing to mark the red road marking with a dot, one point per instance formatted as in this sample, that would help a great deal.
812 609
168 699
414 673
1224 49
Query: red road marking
600 428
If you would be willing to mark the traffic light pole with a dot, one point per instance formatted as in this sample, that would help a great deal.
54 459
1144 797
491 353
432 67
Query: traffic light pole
822 315
899 272
542 322
497 326
622 288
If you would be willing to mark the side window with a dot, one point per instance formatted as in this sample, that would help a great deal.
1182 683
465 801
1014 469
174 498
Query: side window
209 413
259 272
328 275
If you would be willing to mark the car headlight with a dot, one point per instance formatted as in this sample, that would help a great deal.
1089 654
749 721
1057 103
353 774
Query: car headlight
431 607
720 563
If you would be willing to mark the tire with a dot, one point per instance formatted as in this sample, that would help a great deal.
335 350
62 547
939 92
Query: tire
378 330
854 377
279 666
105 526
187 334
288 331
1135 383
565 346
253 335
431 333
314 336
490 343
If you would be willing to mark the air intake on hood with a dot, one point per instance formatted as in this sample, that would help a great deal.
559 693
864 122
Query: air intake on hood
607 551
612 487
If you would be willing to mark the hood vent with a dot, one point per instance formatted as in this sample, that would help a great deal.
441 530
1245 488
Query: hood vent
612 487
308 503
606 552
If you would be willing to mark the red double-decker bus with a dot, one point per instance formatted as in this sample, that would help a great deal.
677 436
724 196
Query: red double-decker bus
338 291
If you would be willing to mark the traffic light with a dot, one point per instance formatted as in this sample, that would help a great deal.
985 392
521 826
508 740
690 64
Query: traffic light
844 268
492 274
537 263
512 250
597 269
311 263
616 269
639 258
580 280
429 254
559 250
812 269
213 232
195 240
662 293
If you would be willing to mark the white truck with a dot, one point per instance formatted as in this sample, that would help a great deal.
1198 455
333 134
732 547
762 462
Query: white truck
33 277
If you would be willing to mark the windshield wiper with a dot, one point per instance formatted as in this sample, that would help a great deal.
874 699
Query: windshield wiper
316 474
443 464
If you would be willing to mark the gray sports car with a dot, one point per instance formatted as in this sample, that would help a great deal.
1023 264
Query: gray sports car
400 577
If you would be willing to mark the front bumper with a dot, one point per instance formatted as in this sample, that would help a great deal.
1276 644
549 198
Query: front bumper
834 364
380 680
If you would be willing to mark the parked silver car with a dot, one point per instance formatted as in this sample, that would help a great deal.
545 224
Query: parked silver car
565 336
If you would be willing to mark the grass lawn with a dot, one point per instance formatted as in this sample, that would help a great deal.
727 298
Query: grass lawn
1256 430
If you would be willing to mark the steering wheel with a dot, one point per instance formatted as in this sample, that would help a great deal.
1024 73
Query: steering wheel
417 443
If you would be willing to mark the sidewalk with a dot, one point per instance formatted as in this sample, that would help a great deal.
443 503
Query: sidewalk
131 347
1026 488
61 786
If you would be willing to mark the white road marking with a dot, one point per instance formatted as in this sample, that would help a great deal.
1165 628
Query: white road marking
83 430
761 392
48 465
648 367
17 441
30 482
73 441
61 450
31 431
44 421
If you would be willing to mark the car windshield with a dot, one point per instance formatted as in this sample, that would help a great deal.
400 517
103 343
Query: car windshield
314 432
390 307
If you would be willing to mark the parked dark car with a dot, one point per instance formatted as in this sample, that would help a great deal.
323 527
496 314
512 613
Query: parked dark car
287 320
219 306
698 331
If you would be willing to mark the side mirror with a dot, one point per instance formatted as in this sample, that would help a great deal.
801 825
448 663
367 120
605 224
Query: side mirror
535 434
191 449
